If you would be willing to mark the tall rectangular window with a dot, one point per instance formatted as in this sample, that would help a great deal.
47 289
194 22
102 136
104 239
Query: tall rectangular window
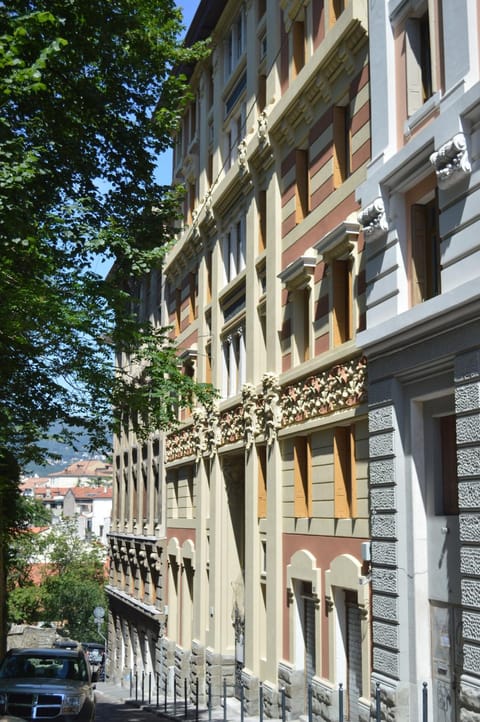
298 47
233 362
448 440
234 251
192 296
418 62
425 251
178 310
345 485
235 44
262 220
301 323
302 477
341 145
342 306
302 187
336 8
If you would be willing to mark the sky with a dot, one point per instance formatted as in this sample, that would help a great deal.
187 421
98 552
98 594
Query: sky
188 7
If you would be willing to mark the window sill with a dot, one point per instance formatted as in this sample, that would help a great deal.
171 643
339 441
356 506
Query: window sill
421 115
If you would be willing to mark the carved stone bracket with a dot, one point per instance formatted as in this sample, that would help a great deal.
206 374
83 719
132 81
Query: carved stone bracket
373 219
272 417
249 402
263 127
242 156
451 162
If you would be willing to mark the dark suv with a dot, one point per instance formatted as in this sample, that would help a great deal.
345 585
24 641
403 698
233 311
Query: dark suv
47 684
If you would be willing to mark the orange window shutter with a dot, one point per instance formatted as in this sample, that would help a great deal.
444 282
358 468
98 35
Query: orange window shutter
353 473
418 251
341 503
262 482
339 145
308 478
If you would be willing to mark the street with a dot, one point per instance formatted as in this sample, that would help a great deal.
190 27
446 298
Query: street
110 710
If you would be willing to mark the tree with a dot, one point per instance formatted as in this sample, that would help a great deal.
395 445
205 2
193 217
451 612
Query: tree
88 103
81 131
71 585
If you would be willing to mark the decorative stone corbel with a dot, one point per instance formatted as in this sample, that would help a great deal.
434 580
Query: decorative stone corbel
373 219
451 162
262 127
249 402
242 156
272 412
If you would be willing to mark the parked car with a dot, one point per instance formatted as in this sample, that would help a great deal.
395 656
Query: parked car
96 656
48 684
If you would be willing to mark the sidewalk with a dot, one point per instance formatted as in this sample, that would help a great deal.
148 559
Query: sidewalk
116 693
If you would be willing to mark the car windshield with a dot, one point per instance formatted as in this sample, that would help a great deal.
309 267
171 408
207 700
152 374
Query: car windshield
35 666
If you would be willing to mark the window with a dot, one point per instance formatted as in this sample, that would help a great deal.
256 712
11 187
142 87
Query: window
302 188
302 323
423 55
425 251
336 9
178 310
298 47
235 44
341 145
262 92
209 261
233 347
297 278
234 132
192 295
192 193
193 120
262 482
448 441
345 492
342 300
302 477
208 363
234 251
418 62
262 220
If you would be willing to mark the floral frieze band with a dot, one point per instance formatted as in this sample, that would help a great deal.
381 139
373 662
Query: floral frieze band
272 408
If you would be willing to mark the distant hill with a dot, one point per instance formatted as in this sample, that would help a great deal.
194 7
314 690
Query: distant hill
67 455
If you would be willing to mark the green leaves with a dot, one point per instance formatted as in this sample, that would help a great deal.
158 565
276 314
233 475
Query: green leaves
81 128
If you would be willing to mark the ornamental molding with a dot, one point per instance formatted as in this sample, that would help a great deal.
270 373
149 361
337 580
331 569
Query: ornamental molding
267 411
451 161
373 219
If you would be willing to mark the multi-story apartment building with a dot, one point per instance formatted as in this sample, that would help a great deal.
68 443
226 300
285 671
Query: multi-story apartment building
239 543
421 204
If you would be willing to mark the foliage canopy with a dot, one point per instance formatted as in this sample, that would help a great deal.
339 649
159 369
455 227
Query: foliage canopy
81 130
69 585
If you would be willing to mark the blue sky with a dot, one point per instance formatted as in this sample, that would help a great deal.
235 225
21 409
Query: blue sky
165 161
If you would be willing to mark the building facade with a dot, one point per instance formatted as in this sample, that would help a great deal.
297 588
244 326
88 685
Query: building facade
420 210
240 542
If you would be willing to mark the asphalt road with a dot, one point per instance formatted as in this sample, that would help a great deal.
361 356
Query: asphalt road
109 710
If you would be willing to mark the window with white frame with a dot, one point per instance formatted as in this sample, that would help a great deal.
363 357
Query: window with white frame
235 43
234 133
234 250
420 23
233 372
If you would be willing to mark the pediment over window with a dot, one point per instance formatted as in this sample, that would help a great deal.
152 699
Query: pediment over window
297 274
339 242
